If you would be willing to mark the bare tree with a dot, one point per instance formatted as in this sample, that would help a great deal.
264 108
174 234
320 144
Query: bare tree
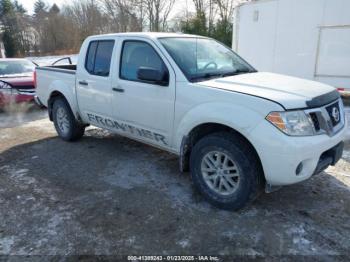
123 14
87 17
157 13
199 6
226 7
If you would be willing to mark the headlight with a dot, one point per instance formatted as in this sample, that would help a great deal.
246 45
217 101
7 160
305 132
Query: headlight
293 123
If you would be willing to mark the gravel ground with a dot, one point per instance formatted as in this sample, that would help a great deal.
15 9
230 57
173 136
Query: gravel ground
108 195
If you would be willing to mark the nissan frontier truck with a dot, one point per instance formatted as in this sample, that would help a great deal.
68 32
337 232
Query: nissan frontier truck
237 131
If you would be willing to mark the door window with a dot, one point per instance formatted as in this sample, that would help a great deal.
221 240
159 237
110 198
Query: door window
99 56
137 54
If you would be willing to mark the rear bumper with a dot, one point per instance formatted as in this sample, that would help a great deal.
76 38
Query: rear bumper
37 101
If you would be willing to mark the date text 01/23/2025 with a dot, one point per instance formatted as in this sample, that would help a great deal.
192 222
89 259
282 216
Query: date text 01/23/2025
173 258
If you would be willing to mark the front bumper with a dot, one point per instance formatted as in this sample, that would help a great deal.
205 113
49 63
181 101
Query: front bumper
281 155
329 158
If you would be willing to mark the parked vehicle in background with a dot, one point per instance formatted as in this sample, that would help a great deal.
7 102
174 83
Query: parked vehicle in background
16 81
308 39
235 129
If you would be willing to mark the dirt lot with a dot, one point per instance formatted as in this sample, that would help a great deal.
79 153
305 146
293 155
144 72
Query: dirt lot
107 195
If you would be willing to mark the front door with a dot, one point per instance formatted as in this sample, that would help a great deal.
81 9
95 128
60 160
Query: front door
144 109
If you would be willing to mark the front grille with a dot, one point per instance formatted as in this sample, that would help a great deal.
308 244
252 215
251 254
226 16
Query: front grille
328 119
315 121
334 113
24 87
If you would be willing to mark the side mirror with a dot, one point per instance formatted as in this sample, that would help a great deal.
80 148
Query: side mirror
153 75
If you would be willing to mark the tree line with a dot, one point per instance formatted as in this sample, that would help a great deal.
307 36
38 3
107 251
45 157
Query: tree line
54 30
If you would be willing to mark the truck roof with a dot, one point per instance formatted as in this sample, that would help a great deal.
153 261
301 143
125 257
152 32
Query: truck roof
151 35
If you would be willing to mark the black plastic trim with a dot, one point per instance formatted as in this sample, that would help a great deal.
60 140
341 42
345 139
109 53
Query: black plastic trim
323 100
56 69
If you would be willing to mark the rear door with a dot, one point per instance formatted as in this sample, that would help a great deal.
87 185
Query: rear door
94 79
143 110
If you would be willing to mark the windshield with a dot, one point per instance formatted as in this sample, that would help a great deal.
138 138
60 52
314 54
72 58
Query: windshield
201 58
16 68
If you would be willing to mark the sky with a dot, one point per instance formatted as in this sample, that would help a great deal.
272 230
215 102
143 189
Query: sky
29 4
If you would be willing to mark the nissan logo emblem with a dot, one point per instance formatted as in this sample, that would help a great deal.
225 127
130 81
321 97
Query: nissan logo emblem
335 114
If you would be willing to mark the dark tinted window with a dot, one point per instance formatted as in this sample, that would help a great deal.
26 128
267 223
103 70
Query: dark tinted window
99 56
90 57
138 54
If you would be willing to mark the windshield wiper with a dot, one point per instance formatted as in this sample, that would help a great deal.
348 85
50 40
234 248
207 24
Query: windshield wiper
220 74
207 76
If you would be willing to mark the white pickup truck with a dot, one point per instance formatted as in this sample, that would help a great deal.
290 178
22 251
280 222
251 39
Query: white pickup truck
237 130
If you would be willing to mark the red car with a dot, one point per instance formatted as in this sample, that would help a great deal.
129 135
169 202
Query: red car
16 81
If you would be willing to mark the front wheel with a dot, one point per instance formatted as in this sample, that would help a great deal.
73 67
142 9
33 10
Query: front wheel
225 170
65 123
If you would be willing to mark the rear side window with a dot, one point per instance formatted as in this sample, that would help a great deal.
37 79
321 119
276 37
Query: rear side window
98 57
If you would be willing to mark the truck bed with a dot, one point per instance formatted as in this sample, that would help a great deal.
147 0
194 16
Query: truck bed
50 77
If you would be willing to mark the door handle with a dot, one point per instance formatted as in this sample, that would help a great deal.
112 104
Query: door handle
83 83
120 90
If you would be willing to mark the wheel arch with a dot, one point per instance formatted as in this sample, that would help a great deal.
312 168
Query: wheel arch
202 130
55 94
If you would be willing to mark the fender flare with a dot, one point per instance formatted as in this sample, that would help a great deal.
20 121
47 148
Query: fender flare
60 88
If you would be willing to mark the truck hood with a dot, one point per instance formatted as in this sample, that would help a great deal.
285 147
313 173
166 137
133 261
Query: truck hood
290 92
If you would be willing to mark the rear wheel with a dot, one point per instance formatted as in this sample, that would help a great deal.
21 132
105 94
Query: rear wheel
225 170
65 123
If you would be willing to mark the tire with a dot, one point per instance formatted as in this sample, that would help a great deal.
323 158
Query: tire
240 169
66 125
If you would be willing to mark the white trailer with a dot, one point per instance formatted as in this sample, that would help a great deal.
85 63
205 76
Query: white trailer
308 39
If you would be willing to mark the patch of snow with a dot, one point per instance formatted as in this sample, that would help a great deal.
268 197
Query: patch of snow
250 252
251 212
300 241
131 240
346 155
183 243
21 172
6 245
301 245
43 124
126 177
148 174
4 136
4 167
